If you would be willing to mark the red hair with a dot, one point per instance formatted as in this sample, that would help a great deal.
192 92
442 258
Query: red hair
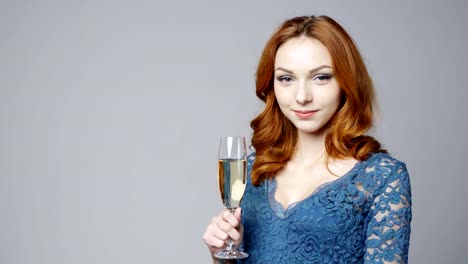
274 136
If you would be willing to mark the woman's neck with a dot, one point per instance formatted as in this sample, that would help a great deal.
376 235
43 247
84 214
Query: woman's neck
309 148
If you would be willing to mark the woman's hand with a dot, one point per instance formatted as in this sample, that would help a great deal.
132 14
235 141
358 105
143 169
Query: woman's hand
222 227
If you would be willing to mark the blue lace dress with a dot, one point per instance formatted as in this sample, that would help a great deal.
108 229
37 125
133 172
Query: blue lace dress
361 217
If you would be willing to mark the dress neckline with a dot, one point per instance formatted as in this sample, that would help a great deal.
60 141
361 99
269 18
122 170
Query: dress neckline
282 213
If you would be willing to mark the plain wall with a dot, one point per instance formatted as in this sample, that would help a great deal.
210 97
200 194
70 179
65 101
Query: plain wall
111 112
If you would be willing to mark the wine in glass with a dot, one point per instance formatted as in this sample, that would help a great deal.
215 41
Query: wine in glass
232 175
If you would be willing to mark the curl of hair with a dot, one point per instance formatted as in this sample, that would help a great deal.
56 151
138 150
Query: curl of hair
274 136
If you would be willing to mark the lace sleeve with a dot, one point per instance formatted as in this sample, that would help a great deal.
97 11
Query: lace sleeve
389 228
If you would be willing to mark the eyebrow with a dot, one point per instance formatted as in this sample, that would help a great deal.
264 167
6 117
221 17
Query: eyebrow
311 71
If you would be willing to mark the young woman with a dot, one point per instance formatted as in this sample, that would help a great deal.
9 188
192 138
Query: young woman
319 190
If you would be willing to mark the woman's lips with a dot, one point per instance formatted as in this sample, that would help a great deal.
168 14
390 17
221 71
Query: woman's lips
305 114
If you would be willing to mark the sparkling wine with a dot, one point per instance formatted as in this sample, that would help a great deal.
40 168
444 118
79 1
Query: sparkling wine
232 176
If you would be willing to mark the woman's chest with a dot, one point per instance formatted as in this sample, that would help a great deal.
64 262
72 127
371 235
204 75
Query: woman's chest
328 211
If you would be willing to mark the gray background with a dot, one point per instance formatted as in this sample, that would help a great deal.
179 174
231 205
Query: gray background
110 114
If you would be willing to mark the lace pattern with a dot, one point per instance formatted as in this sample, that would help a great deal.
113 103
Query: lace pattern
362 217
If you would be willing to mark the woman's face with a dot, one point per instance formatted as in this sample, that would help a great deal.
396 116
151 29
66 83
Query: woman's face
305 87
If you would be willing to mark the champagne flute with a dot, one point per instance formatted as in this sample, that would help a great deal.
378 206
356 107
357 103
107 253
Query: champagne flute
232 166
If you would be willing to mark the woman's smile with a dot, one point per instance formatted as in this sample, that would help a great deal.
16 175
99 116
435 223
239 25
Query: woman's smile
305 114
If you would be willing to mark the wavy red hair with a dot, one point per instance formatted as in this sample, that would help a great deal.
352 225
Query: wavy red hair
274 136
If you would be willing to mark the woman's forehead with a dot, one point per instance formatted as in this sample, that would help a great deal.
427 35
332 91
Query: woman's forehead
302 53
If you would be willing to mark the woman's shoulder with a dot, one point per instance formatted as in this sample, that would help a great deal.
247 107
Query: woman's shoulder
250 161
381 160
381 170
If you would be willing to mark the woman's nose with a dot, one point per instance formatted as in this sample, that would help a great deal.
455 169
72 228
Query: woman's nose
304 94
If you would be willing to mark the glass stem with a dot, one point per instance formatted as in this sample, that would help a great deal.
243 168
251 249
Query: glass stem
230 242
230 245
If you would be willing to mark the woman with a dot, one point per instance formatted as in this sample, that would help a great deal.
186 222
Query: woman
319 190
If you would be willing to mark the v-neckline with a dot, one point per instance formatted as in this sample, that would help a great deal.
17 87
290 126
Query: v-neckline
283 213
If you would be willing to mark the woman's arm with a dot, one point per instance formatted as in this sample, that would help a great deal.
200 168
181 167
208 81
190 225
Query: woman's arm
388 231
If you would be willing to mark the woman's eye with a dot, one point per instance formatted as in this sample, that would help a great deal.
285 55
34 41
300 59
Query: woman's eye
323 77
284 79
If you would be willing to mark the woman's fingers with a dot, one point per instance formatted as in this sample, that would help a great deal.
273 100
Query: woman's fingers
222 227
238 213
228 223
212 237
231 218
